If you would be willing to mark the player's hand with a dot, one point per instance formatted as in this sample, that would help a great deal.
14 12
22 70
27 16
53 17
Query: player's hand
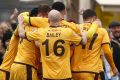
20 19
21 26
84 37
97 21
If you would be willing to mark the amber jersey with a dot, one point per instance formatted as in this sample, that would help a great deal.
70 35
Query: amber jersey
27 51
43 22
10 52
55 50
87 57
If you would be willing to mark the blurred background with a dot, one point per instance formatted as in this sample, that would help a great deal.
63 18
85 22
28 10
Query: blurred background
107 10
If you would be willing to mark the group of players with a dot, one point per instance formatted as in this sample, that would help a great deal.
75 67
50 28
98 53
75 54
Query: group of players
46 47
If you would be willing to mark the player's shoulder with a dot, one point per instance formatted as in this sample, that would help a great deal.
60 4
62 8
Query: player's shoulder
65 28
102 29
44 19
67 23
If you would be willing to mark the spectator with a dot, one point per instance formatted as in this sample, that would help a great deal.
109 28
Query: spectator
4 26
115 43
13 18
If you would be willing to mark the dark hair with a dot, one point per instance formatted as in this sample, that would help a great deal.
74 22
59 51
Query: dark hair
58 6
114 24
6 36
88 14
33 12
44 8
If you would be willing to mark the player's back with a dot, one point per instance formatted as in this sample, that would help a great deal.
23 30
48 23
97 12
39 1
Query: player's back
27 51
55 52
87 57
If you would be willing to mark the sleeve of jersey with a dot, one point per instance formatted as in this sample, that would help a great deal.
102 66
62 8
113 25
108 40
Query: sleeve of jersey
92 30
75 38
33 35
25 15
36 21
71 25
10 53
108 55
105 37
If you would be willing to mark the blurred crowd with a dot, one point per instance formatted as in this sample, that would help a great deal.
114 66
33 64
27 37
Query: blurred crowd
6 29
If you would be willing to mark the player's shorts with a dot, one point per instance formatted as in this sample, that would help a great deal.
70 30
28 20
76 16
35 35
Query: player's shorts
22 71
85 75
4 75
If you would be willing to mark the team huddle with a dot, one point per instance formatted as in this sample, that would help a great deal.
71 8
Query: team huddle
44 46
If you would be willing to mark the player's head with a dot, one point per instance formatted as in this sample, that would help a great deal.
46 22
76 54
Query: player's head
43 10
89 15
60 7
54 17
33 12
115 28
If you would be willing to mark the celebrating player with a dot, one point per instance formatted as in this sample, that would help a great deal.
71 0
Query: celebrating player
54 43
86 62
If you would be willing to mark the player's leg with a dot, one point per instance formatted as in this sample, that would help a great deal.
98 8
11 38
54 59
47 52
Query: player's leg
4 75
23 72
85 76
34 74
102 75
18 72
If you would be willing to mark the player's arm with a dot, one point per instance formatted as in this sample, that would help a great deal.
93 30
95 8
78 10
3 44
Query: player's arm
77 39
21 30
71 25
92 30
107 51
24 14
77 29
30 35
43 22
109 57
36 21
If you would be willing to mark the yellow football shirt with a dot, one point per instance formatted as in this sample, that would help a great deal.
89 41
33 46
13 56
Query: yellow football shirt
10 52
27 51
87 57
41 22
12 49
55 50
